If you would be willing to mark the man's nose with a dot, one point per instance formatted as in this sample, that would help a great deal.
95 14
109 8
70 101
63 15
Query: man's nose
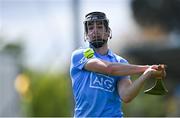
94 31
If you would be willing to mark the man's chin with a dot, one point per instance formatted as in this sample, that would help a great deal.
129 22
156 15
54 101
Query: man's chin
97 38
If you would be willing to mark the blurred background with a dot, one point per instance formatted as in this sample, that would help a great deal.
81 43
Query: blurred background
37 38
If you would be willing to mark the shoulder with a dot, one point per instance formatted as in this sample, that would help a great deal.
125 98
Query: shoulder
120 59
78 54
78 59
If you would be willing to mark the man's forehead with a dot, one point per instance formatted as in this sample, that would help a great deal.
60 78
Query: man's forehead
93 22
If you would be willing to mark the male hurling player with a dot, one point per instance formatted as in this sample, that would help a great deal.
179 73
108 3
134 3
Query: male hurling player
102 82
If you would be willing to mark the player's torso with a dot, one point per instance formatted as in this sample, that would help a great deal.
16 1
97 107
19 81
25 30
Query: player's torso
95 92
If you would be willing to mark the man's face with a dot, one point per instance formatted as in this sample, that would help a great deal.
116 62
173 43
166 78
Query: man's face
96 31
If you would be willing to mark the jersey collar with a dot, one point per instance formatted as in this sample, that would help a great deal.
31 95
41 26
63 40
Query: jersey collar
110 53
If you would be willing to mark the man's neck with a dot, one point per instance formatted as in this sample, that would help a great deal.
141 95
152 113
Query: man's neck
103 50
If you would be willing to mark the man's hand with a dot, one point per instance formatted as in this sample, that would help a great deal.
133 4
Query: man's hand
155 71
162 68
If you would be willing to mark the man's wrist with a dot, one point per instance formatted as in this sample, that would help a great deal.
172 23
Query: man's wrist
145 76
145 67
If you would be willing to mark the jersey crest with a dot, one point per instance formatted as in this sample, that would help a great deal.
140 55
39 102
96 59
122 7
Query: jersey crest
103 82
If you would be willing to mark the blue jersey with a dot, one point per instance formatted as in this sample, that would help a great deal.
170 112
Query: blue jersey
95 94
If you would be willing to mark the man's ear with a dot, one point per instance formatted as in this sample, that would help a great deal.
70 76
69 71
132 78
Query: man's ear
109 32
85 36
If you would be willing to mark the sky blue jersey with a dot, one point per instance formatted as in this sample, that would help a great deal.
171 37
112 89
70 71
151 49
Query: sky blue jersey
95 94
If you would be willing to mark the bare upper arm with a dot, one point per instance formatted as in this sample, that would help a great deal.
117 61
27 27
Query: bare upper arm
123 84
97 65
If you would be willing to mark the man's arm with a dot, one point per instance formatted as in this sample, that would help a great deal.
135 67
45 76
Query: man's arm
129 90
116 69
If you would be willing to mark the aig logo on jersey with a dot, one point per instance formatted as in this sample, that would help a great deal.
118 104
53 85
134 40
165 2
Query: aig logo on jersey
102 82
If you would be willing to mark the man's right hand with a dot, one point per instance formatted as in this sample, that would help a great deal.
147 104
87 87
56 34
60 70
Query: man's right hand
155 72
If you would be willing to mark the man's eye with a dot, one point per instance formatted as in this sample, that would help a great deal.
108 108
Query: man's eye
90 28
99 27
